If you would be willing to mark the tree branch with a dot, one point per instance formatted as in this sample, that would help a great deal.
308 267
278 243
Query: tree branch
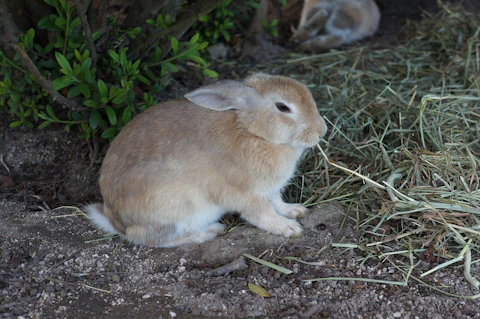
8 29
44 83
88 32
250 43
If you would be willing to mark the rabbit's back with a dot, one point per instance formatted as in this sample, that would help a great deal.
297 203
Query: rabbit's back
326 24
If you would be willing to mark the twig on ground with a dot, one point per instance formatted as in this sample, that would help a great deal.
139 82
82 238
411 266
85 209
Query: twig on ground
237 264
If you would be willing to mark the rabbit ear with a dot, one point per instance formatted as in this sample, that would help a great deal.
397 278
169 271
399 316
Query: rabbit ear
226 95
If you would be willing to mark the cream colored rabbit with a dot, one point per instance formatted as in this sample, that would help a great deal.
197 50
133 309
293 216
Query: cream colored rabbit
326 24
176 168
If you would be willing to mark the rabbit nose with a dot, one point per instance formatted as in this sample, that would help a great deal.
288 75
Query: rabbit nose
322 127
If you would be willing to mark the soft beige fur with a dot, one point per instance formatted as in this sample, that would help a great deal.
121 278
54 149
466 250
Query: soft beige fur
326 24
176 168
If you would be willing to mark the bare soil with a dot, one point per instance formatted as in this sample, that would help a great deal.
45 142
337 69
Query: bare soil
54 264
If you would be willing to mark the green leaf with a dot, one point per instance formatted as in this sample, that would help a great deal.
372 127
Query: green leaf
37 48
112 117
30 35
75 23
157 55
258 290
119 97
96 35
43 116
174 44
127 115
202 45
62 61
50 64
48 48
85 90
78 55
210 73
44 124
110 132
123 57
143 79
168 19
95 118
226 35
102 88
163 71
150 21
15 97
160 21
62 82
91 103
85 66
77 116
16 124
196 58
28 124
135 65
85 55
60 22
76 90
170 67
114 56
50 112
48 23
193 40
204 18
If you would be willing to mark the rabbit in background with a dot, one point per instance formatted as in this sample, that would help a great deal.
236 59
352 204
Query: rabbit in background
176 168
326 24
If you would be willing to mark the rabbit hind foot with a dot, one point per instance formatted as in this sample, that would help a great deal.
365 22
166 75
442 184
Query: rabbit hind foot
166 237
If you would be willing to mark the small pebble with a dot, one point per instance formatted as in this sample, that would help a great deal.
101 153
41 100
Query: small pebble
115 278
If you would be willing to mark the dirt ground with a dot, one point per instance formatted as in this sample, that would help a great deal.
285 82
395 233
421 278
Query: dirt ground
54 264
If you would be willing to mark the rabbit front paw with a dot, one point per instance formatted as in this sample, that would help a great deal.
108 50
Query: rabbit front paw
285 227
292 210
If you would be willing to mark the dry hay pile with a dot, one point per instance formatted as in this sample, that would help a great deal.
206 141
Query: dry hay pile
405 120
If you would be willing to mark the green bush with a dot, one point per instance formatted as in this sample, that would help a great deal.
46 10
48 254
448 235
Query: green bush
105 93
217 24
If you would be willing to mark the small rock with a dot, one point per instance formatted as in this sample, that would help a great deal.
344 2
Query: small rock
116 278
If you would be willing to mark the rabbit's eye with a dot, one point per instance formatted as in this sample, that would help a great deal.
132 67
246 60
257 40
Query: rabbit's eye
283 108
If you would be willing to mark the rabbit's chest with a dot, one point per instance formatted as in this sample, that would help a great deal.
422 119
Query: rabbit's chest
275 171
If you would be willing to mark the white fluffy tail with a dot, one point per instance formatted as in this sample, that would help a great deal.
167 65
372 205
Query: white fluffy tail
94 212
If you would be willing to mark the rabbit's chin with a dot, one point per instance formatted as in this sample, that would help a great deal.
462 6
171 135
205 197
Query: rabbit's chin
303 145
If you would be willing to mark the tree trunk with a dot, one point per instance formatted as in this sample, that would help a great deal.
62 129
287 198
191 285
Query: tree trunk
8 29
